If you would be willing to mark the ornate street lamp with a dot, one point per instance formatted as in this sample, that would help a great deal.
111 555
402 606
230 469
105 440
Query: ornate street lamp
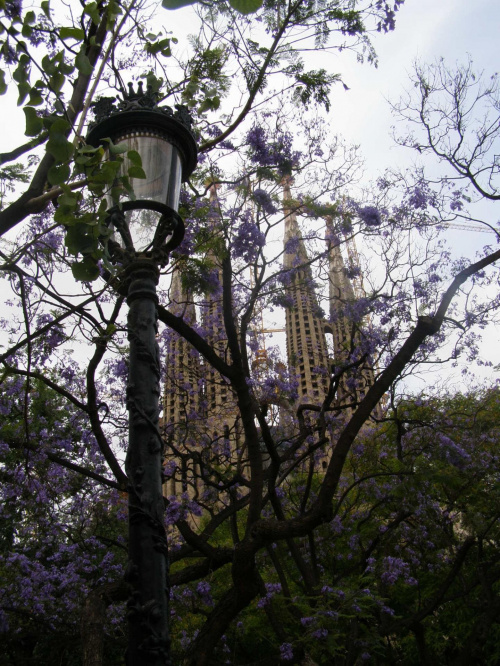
147 227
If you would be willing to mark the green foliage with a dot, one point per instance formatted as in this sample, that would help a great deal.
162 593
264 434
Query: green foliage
11 174
242 6
82 63
207 81
315 86
246 6
91 9
405 512
58 145
67 32
85 270
155 45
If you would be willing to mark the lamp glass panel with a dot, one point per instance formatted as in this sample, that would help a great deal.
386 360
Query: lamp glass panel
142 226
162 165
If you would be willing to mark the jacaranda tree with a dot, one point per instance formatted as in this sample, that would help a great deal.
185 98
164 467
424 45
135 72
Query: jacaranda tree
343 526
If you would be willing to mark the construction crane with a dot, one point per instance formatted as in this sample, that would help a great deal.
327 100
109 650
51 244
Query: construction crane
481 228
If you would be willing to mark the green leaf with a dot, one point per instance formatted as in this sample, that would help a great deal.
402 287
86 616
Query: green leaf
35 97
128 187
30 17
117 150
246 6
93 12
27 30
21 73
58 174
153 81
109 171
209 104
79 240
72 33
134 157
91 150
114 10
162 46
83 64
136 172
3 85
46 8
175 4
48 65
83 159
68 199
56 81
24 89
34 124
64 215
58 145
85 271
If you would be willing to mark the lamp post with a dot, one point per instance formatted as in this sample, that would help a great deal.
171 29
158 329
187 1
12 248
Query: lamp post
147 227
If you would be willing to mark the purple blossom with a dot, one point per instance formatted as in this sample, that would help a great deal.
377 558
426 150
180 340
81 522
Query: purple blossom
286 652
320 633
203 589
418 198
263 199
248 241
273 150
370 216
271 590
395 568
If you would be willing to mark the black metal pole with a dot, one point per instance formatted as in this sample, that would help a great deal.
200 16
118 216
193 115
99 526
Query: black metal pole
147 573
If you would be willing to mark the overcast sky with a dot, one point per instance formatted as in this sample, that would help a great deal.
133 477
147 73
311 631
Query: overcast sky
426 30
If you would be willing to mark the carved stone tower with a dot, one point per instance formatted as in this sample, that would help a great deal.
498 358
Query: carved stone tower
221 402
348 342
183 408
306 343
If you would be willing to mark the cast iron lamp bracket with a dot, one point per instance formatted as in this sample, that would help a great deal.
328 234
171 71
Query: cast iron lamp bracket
168 234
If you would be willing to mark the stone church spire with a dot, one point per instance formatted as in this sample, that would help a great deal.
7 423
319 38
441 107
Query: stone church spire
222 410
347 333
183 408
306 343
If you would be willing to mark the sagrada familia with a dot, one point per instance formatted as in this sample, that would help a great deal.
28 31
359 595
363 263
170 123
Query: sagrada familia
200 411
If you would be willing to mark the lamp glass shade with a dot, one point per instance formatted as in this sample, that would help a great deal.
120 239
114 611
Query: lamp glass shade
161 162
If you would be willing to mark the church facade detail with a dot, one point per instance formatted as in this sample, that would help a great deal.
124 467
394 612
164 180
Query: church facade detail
199 406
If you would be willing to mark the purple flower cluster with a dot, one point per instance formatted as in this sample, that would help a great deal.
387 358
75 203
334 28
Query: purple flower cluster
370 215
263 199
272 150
395 568
418 199
248 240
286 651
204 591
388 20
271 590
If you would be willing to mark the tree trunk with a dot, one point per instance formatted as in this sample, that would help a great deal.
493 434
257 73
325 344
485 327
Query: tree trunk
92 629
